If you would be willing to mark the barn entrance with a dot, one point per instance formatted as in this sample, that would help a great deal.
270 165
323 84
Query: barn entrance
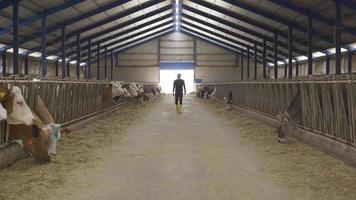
169 71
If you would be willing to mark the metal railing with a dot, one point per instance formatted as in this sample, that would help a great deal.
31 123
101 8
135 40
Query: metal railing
328 103
66 100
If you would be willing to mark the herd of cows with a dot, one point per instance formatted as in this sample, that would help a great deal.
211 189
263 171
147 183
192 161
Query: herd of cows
35 130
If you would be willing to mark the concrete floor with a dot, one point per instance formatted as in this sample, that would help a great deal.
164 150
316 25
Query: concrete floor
189 156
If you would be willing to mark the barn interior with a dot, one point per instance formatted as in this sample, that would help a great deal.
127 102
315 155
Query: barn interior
87 111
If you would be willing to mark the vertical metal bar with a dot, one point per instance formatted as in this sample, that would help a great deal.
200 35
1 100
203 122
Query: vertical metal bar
242 65
159 57
264 63
310 45
285 70
290 51
43 46
26 64
195 55
63 46
106 63
275 56
112 65
77 69
68 69
98 63
89 60
3 55
296 68
57 68
327 65
15 34
255 61
248 63
349 58
337 36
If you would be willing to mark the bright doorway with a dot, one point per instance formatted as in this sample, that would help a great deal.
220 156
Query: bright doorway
167 76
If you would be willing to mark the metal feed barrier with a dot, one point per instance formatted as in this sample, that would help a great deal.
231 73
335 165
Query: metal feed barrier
328 104
67 101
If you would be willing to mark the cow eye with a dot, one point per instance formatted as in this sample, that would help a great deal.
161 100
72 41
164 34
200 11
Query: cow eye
19 102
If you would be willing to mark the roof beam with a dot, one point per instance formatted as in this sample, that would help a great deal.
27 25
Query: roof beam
117 27
104 21
247 20
242 37
217 41
276 18
27 21
130 36
127 31
242 28
314 15
139 41
221 36
6 3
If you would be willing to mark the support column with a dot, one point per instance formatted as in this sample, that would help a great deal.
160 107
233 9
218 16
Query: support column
275 56
255 61
89 60
15 34
248 64
26 64
112 65
327 70
310 45
77 68
296 68
68 69
264 63
43 46
3 58
63 46
57 68
285 70
106 63
98 63
242 65
337 36
290 52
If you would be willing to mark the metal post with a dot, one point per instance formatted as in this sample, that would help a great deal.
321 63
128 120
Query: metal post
3 55
349 58
248 63
15 34
255 61
337 35
285 70
68 69
106 63
264 63
43 46
26 64
310 45
57 68
112 65
77 69
327 71
242 65
275 56
63 46
98 63
296 68
89 60
290 52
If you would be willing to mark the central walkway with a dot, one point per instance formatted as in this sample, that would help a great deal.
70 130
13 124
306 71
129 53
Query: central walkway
189 156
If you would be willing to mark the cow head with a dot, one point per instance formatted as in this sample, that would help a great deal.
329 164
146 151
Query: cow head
17 109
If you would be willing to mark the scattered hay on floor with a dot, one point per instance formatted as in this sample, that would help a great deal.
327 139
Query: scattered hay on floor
29 180
306 172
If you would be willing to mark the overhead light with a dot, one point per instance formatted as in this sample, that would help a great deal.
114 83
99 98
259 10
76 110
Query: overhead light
82 64
35 54
177 9
352 46
177 2
318 54
73 62
280 63
52 57
333 50
301 58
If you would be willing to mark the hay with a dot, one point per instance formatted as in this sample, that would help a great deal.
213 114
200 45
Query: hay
29 180
305 172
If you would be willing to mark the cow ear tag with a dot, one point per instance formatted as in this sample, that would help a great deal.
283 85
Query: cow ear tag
2 94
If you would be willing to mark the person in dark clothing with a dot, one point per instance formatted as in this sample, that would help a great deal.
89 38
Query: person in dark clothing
178 86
